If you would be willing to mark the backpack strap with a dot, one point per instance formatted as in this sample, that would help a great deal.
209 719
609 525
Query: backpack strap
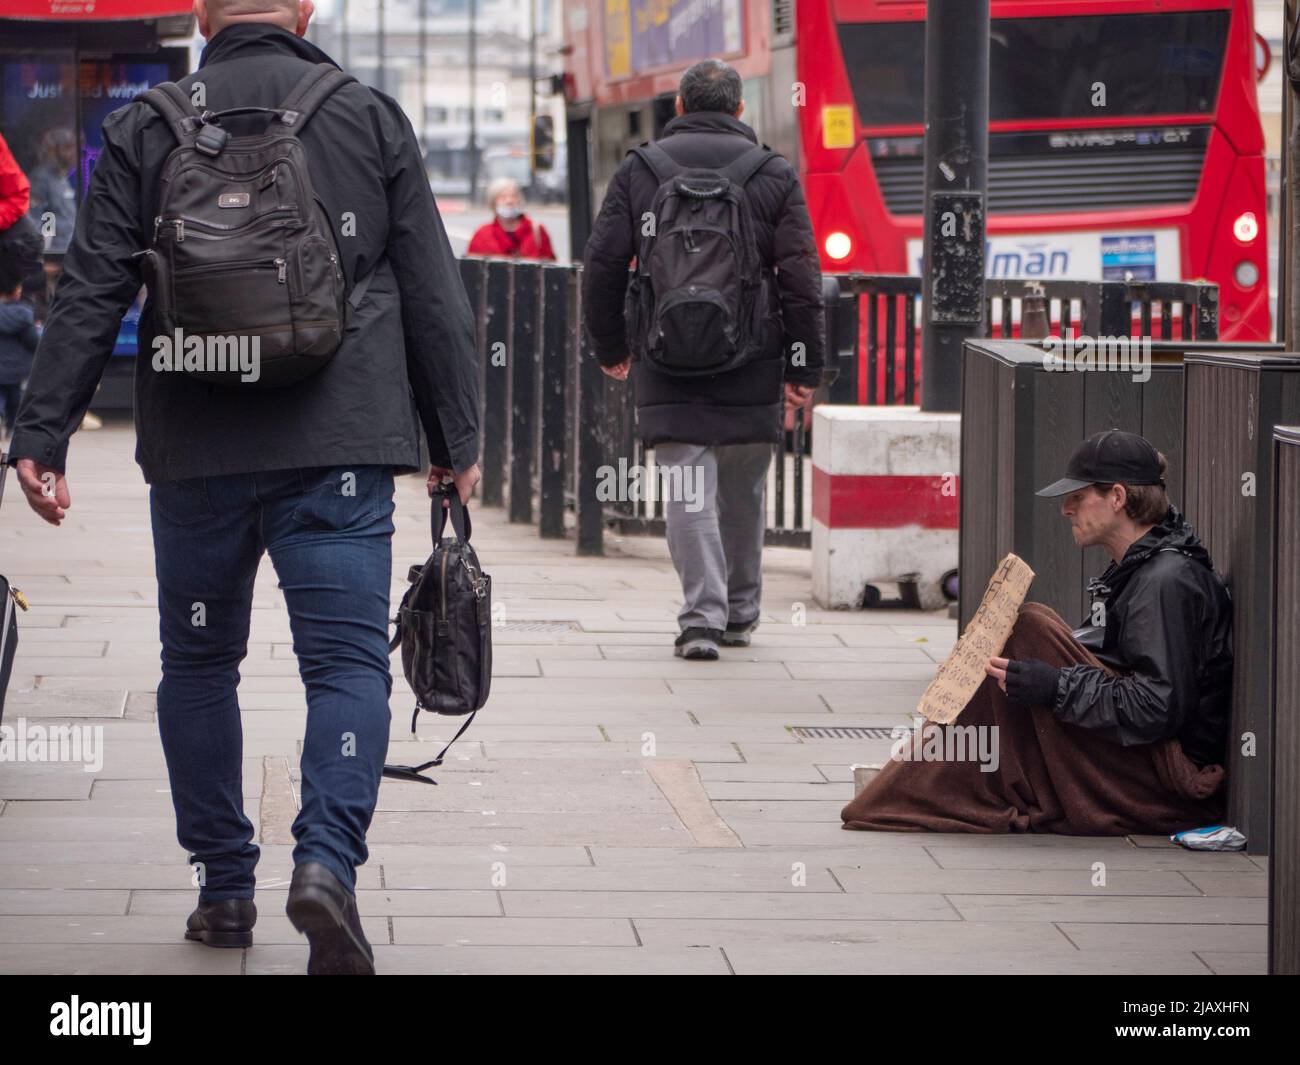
176 108
661 164
312 90
747 164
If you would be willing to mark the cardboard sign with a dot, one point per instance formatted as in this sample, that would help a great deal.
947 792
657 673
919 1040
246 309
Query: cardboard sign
963 672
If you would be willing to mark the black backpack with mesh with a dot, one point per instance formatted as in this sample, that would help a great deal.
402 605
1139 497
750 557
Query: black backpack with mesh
242 247
700 298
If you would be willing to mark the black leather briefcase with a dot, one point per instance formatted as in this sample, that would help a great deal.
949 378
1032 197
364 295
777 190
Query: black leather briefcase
444 628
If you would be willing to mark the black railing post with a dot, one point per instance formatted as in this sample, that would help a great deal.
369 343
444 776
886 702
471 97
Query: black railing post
523 388
844 345
588 436
1115 311
1207 311
496 380
554 377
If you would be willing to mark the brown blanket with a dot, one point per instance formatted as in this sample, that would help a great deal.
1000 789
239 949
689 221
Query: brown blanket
1051 777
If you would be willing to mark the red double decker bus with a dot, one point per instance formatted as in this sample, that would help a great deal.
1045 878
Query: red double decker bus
1124 135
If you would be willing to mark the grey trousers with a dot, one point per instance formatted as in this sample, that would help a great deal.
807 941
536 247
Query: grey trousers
715 517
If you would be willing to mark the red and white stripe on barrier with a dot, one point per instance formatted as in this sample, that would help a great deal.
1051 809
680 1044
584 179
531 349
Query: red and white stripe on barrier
885 486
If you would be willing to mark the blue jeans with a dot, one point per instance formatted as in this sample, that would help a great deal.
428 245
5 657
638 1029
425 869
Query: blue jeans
329 533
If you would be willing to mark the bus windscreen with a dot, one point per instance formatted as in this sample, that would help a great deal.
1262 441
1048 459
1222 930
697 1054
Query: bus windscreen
1051 68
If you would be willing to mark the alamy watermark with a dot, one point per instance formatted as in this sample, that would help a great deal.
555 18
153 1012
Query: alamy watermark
1077 354
925 741
208 354
634 483
53 743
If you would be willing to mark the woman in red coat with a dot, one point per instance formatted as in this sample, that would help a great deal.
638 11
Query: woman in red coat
510 233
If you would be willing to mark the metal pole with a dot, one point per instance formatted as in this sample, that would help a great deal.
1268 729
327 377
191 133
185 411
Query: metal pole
346 39
473 100
1288 278
424 71
956 177
532 91
382 57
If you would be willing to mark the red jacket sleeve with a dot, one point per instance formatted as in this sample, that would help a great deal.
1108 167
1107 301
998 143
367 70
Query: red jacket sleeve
544 249
481 243
15 189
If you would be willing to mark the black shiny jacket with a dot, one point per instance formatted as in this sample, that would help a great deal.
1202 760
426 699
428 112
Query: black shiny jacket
1168 622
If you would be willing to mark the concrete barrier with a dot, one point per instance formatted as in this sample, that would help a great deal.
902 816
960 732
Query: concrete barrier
885 503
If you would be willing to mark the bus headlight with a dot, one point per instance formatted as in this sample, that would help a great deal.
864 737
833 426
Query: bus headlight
1246 227
1246 274
838 245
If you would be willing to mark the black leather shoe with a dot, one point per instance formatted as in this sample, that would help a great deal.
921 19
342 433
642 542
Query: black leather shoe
225 923
325 911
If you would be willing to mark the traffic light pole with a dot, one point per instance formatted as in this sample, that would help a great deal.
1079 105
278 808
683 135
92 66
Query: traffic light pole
956 178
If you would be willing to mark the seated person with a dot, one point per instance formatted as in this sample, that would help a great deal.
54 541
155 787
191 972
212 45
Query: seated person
1131 739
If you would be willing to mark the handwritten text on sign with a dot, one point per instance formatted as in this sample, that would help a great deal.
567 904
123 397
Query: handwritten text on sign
963 672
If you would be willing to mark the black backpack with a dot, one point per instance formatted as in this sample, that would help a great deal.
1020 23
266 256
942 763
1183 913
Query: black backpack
444 628
243 255
700 298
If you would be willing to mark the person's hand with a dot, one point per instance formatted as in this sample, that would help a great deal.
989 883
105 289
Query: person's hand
465 480
46 490
797 396
1027 681
618 372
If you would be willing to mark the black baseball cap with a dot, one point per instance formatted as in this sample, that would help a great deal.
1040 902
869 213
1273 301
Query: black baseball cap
1108 458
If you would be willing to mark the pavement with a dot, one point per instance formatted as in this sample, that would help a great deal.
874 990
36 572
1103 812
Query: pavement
612 810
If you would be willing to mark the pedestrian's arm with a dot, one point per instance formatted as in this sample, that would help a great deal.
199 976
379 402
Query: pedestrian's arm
100 279
799 281
1150 703
437 323
605 275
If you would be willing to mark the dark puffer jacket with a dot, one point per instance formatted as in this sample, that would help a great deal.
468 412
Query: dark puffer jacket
1169 634
742 405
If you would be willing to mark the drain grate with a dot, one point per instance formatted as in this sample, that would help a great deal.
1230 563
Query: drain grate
841 732
539 626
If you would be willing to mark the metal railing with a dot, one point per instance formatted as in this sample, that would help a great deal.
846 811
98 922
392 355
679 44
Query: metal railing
556 429
876 331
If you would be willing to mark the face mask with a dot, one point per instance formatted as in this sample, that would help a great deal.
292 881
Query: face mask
509 213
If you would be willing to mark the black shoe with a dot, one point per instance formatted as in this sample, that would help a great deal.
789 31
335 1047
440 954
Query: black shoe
322 909
698 643
225 923
738 633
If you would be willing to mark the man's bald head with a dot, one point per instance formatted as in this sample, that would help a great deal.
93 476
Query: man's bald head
215 15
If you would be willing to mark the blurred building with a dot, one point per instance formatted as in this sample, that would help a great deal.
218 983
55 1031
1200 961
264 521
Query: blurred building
380 42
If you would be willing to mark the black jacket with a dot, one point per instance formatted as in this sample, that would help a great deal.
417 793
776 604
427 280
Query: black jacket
742 405
408 355
1169 633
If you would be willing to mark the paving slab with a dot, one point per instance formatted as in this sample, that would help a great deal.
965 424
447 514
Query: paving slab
612 810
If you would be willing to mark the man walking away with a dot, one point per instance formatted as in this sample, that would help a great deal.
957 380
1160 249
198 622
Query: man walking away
709 345
303 472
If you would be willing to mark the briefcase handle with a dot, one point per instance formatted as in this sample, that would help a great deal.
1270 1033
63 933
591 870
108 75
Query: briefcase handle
459 514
